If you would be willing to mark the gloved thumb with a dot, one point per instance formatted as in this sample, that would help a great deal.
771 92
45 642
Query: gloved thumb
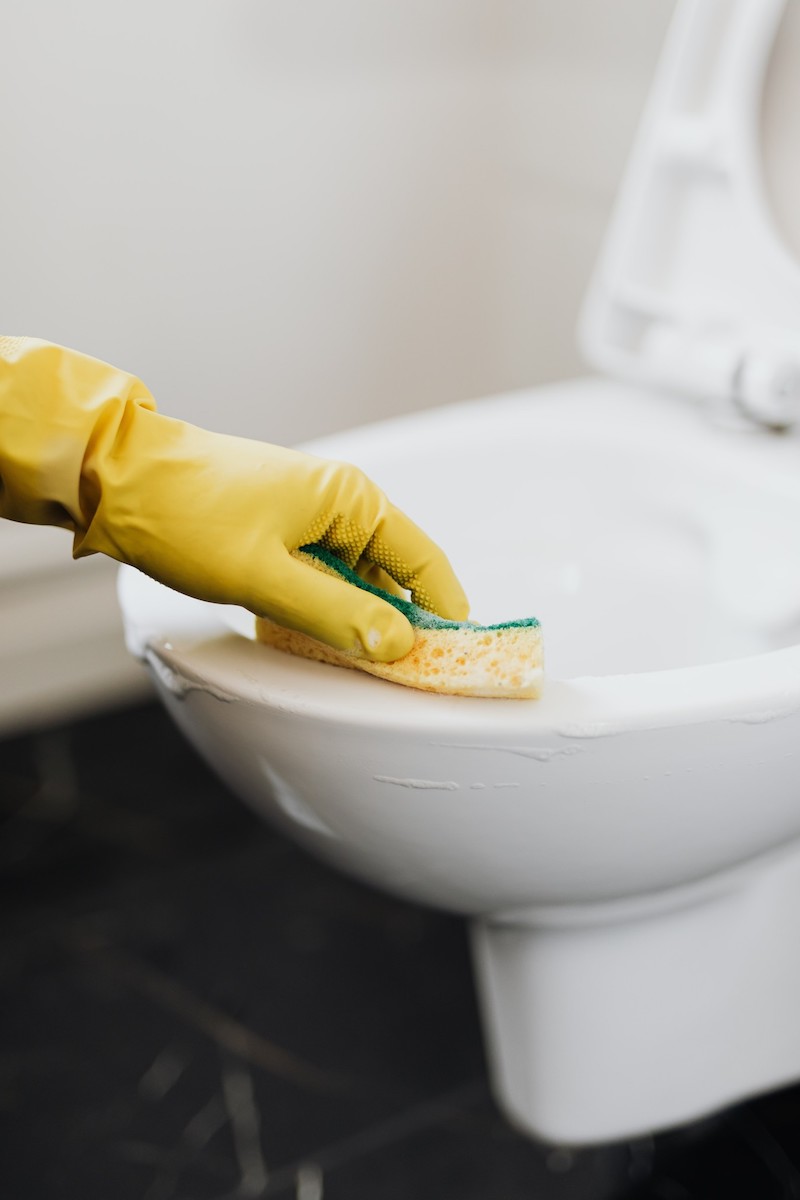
333 611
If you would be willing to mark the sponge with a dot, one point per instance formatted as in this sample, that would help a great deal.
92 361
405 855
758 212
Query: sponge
457 658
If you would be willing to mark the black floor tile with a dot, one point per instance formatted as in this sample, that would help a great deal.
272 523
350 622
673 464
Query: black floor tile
192 1008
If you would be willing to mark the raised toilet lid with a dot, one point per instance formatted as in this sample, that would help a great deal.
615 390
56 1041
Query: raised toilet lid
696 288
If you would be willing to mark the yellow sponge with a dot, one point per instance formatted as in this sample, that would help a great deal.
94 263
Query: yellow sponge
453 657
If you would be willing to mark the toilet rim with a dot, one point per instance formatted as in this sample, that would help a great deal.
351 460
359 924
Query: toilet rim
190 648
190 642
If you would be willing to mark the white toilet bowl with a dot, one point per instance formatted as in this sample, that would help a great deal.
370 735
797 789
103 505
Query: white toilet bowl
627 844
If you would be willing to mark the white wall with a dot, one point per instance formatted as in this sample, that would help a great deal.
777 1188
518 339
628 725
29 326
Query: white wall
289 216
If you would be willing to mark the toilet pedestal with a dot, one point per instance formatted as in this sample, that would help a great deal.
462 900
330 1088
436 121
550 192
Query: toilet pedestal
655 1018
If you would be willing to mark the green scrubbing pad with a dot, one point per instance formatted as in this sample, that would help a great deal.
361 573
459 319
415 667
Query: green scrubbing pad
453 657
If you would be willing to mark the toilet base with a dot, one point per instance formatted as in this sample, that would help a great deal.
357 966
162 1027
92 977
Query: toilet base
601 1027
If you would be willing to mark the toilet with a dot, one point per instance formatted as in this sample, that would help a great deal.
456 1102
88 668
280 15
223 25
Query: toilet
627 848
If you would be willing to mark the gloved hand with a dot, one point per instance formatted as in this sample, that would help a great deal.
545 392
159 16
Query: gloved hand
82 446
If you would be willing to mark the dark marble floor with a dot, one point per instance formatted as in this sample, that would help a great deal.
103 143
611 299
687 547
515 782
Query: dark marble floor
192 1008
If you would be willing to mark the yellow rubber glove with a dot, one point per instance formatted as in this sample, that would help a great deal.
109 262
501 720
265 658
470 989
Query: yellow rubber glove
217 517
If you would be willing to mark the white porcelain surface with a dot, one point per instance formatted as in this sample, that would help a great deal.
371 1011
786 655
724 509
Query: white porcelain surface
659 770
628 845
621 520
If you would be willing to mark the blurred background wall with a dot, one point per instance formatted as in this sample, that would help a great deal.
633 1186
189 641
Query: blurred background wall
291 216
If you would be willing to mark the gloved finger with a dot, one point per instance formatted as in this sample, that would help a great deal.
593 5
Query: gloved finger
409 556
377 577
337 613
